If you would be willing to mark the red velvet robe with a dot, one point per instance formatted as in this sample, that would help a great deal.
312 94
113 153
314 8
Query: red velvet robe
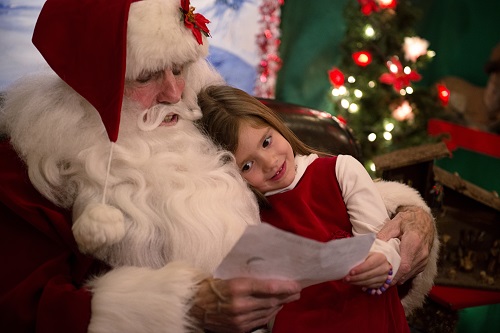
43 272
315 209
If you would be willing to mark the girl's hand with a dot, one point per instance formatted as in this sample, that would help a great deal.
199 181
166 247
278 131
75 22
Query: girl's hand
374 273
241 304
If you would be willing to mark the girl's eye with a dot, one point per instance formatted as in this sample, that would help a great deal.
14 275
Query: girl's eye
246 166
266 142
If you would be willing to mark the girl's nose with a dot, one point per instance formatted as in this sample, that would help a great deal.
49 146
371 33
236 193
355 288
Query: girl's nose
268 163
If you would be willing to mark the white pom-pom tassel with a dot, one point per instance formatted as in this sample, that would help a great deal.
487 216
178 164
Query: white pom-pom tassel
99 225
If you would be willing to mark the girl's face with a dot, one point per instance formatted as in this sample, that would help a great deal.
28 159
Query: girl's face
265 158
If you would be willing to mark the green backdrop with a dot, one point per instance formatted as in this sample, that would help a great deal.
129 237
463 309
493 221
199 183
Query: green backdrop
310 35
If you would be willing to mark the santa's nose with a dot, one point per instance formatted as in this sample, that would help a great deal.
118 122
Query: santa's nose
172 87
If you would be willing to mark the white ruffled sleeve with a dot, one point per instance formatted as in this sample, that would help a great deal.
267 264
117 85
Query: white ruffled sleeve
365 206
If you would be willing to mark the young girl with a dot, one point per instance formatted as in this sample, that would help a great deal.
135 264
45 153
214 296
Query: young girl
317 196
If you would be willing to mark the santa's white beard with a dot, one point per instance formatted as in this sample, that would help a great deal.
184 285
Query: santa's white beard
182 198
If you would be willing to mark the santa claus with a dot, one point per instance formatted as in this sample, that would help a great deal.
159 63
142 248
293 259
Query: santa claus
115 208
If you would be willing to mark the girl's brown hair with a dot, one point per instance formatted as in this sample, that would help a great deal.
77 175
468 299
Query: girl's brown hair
225 108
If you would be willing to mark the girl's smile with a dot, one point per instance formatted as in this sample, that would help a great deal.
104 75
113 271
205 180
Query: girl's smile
280 172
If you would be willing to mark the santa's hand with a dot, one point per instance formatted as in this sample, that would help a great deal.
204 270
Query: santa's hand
241 304
99 225
416 230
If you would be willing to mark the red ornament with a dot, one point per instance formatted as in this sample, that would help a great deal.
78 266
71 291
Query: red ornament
368 6
336 77
443 94
396 76
196 22
362 58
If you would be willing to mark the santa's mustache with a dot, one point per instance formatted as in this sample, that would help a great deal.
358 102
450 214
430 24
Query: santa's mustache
168 114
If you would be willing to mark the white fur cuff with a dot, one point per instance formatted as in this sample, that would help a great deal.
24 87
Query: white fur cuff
134 299
396 194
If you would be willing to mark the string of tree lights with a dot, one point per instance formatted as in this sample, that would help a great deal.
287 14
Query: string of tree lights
375 87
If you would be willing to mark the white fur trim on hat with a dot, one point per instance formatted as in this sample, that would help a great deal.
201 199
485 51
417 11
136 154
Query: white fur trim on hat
157 37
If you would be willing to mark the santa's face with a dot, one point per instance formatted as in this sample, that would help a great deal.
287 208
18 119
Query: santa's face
160 87
161 98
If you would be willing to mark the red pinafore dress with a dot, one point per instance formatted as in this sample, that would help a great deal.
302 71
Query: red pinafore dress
315 209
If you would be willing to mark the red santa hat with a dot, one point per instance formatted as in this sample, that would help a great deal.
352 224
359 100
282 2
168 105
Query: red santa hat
95 45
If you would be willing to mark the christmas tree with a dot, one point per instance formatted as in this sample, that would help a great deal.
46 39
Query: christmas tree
375 88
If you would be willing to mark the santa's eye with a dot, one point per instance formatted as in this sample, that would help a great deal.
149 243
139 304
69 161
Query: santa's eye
177 69
145 77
